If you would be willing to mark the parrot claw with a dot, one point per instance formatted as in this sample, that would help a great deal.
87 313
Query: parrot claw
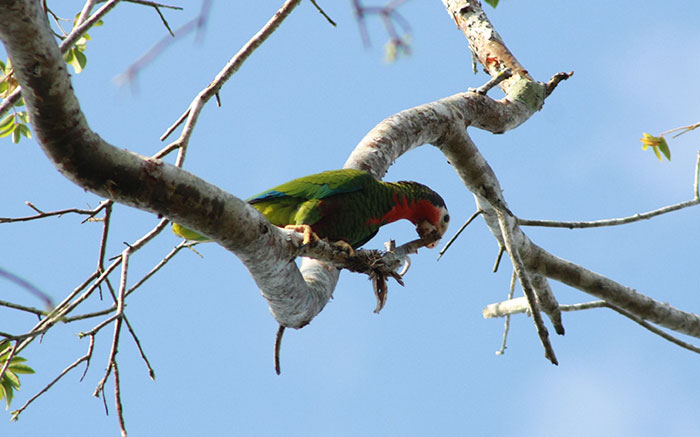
309 235
345 247
406 266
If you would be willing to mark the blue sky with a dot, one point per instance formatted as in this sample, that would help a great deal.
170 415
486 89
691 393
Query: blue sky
426 364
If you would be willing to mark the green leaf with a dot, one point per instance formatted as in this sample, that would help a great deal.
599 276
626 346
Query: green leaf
657 144
20 102
7 392
82 60
68 56
7 121
492 3
24 130
8 130
15 135
23 116
2 67
22 369
664 149
11 378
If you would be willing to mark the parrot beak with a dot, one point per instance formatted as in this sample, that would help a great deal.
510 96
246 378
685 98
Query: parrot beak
428 232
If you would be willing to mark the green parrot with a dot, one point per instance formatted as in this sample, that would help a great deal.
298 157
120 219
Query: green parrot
347 206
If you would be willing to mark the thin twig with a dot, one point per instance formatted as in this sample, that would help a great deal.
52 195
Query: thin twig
151 372
322 12
610 222
69 304
16 306
8 359
183 244
654 329
519 305
493 82
103 239
154 4
497 263
278 346
683 129
506 326
111 362
449 243
89 315
525 284
192 112
17 412
696 185
118 400
550 86
42 214
91 347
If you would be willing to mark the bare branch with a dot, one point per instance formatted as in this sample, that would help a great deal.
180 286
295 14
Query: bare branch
654 329
322 12
41 214
506 326
497 263
64 372
696 185
519 305
112 360
554 81
118 400
494 81
464 226
610 222
278 346
192 113
16 306
522 274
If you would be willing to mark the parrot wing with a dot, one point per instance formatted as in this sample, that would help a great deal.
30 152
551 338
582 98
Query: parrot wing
301 200
317 186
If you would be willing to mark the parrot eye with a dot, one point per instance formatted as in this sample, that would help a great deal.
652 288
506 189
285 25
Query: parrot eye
446 219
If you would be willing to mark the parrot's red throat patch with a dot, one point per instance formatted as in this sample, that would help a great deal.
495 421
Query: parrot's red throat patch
416 211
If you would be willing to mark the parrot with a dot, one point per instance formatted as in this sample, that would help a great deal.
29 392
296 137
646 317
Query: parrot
347 207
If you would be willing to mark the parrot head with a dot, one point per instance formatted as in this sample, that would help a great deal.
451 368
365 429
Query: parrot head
426 210
433 225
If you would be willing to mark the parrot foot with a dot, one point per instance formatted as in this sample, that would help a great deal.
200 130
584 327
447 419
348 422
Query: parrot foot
309 235
345 247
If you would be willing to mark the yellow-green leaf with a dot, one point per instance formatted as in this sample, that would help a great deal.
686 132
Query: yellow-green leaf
657 144
7 121
9 130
